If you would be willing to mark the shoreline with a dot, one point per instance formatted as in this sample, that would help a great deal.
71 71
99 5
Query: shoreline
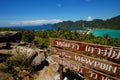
102 32
88 31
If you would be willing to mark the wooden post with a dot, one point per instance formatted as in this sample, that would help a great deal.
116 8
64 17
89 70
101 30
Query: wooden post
61 72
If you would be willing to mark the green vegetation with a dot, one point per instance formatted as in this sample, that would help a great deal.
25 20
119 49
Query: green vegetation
9 29
42 37
27 36
113 23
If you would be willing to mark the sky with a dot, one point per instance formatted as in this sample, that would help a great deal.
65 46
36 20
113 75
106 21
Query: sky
37 12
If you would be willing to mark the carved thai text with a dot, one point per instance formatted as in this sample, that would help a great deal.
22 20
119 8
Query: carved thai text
108 52
67 45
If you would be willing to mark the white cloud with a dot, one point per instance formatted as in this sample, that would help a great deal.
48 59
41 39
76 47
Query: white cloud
89 18
35 22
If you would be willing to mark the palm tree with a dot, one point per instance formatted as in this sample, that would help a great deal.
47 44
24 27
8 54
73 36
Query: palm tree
107 38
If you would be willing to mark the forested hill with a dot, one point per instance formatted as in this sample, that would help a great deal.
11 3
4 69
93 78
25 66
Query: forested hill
112 23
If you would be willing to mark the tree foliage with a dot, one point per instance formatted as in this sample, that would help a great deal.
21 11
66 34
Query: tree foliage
27 36
42 37
112 23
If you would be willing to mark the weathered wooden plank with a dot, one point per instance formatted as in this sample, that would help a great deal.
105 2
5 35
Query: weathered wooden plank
101 65
10 36
108 52
83 69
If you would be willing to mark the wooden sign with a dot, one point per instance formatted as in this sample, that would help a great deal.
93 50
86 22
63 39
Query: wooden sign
108 52
83 69
95 68
101 65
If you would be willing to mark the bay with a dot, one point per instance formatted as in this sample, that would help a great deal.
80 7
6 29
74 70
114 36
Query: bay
102 32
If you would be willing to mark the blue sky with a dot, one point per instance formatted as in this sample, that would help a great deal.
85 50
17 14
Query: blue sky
37 12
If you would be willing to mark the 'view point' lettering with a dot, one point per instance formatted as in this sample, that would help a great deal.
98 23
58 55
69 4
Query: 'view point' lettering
84 70
105 66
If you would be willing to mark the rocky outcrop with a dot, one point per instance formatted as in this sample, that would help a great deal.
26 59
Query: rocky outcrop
28 52
49 72
38 59
10 36
37 55
24 60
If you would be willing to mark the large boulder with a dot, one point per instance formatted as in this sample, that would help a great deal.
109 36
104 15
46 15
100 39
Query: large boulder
38 59
10 36
35 55
28 52
49 73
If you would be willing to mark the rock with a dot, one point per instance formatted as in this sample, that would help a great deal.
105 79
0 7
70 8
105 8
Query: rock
13 44
10 36
38 59
49 73
3 44
28 52
5 76
26 78
22 43
35 55
23 73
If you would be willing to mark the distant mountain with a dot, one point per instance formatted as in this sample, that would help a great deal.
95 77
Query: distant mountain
112 23
36 27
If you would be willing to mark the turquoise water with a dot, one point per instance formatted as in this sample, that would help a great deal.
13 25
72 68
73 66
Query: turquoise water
102 32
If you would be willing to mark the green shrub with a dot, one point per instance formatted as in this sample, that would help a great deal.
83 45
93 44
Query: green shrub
27 37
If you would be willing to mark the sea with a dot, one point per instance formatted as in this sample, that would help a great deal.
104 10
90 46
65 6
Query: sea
102 32
40 27
96 32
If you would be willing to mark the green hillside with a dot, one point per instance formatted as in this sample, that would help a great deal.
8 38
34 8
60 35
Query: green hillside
112 23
